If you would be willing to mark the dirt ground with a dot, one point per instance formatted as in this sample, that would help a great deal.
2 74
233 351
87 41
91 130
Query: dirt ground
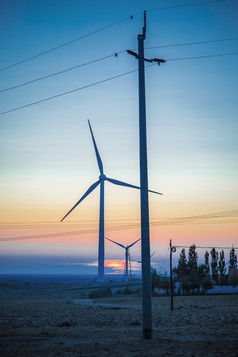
59 325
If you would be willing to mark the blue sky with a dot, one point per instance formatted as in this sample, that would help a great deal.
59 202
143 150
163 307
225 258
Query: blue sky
47 159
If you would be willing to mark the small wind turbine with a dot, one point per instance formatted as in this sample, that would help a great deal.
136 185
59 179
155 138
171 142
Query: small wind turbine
139 261
102 179
126 254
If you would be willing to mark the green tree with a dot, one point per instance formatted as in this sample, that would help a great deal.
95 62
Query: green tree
182 268
182 272
204 273
159 281
222 269
192 258
214 268
193 268
206 263
233 259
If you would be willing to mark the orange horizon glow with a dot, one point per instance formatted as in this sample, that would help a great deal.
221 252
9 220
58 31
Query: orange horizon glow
118 264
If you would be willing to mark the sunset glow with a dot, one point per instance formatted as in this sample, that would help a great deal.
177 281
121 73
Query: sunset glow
117 264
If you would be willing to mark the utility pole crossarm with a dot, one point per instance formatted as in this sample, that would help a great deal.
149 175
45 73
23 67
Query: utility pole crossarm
158 60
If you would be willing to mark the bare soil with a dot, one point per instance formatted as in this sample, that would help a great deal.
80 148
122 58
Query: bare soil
58 325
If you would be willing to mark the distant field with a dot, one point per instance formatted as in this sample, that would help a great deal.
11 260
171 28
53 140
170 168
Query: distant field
52 321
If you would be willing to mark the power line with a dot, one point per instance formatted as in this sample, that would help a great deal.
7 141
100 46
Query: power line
68 92
65 44
109 56
60 72
221 214
73 233
193 43
185 246
205 218
95 230
103 28
185 5
49 235
95 223
170 221
109 79
205 56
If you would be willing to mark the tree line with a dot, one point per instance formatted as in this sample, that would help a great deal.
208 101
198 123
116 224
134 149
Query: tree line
213 271
194 277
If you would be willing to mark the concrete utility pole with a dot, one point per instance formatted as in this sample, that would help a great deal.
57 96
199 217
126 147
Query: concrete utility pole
101 236
145 231
172 250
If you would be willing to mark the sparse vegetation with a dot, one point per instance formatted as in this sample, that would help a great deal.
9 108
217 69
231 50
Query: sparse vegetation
104 291
127 291
159 281
39 327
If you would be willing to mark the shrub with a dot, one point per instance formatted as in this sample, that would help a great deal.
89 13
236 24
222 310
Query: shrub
104 291
126 291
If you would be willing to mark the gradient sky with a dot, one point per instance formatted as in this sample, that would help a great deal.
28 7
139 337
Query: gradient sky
47 158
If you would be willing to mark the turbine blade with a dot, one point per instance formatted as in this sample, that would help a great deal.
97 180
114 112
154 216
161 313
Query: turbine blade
121 183
153 253
158 193
133 243
89 190
100 165
116 243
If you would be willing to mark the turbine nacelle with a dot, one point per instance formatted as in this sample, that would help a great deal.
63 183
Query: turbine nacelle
102 177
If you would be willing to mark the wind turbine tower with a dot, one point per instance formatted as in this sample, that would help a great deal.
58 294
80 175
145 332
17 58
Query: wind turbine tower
102 179
127 254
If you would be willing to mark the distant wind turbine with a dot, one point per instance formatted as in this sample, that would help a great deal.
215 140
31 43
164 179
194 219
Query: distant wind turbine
101 180
126 254
139 261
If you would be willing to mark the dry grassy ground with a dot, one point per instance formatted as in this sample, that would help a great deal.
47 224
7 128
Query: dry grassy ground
65 326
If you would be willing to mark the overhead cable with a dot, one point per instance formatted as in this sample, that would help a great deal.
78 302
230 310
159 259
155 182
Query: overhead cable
185 246
192 43
68 92
109 56
101 29
185 5
64 44
199 219
60 72
95 230
108 79
204 56
91 222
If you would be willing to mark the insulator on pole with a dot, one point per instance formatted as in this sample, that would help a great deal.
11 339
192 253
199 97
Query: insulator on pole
144 27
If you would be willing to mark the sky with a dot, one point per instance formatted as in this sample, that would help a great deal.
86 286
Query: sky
47 158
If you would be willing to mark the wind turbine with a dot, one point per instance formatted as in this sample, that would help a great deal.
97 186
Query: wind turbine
102 179
126 253
139 261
